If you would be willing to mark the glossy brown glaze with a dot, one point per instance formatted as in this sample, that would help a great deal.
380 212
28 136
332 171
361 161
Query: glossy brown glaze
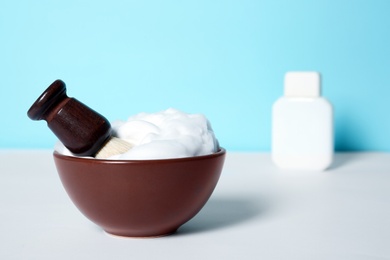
140 198
82 130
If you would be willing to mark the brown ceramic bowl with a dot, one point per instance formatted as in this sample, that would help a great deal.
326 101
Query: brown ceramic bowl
140 198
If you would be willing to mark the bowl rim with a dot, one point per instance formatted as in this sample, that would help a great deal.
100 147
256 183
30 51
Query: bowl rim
220 152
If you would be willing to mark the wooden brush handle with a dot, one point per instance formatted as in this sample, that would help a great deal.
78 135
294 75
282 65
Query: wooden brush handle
82 130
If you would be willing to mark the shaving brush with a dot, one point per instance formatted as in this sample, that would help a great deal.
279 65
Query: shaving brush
81 129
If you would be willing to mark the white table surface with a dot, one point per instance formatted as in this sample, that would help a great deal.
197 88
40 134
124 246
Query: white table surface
256 212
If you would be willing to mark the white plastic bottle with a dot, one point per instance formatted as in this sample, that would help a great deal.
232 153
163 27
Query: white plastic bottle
302 125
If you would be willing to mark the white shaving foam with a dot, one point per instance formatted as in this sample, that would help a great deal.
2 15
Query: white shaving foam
163 135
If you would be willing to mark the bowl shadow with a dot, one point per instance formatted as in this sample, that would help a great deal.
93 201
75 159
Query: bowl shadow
221 213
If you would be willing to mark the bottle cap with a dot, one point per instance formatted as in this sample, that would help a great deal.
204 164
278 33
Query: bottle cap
302 84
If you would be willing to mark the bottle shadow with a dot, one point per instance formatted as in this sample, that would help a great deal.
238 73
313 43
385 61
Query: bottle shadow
341 159
221 213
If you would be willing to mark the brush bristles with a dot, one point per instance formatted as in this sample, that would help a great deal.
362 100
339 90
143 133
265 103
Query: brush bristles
113 147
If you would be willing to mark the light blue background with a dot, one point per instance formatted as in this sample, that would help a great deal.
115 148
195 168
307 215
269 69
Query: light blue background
225 59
